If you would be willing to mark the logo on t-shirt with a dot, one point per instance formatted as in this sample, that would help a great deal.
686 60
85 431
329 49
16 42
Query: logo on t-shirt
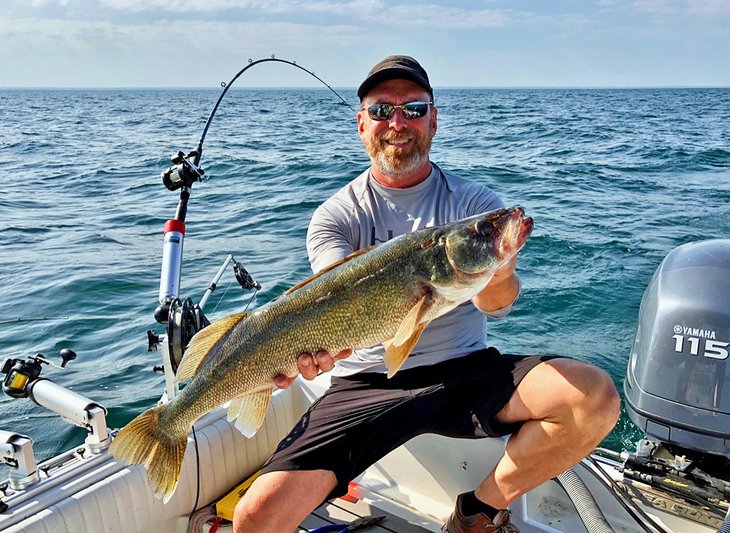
376 240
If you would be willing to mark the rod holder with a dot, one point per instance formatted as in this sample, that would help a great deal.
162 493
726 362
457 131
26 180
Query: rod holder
76 409
16 451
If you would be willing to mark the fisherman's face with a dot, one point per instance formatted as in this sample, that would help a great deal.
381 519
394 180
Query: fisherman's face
398 147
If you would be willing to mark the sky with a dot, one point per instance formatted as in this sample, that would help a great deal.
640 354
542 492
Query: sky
461 43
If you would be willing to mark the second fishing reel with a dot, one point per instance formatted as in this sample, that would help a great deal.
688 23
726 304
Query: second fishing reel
184 171
183 320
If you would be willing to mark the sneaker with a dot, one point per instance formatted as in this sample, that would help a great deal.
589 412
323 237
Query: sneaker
478 523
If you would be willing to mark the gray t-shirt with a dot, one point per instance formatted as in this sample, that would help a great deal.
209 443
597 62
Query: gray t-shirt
364 213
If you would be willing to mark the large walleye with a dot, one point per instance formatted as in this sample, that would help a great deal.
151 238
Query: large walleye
385 294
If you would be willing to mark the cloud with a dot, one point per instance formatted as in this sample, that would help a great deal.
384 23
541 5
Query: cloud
123 43
338 12
675 7
171 53
658 6
708 7
175 6
437 16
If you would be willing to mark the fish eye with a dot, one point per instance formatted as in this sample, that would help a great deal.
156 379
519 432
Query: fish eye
484 227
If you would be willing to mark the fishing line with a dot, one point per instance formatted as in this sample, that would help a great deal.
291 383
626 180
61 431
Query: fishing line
21 319
252 63
225 291
197 471
250 300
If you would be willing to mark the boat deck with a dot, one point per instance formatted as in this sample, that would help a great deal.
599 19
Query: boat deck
339 511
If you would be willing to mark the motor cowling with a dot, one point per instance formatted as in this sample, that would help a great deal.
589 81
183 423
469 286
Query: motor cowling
677 386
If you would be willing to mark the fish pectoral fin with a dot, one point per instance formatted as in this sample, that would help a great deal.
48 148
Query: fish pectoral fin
202 343
399 347
396 354
411 321
249 411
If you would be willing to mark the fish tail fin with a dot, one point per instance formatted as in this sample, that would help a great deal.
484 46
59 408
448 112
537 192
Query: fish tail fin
145 441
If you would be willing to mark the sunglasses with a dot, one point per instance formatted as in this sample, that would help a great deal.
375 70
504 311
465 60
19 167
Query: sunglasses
410 110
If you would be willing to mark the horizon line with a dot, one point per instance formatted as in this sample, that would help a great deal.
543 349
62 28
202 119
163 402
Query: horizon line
314 87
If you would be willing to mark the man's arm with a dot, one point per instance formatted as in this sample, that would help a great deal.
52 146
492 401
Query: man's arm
497 297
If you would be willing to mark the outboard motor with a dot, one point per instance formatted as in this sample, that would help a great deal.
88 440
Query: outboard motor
677 386
678 381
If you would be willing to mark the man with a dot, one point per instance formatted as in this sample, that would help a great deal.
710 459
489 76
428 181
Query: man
556 409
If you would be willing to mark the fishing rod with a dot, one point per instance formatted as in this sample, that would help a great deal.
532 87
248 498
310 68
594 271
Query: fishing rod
75 318
183 318
252 63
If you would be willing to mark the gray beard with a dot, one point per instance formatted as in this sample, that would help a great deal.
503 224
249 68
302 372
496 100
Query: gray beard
401 168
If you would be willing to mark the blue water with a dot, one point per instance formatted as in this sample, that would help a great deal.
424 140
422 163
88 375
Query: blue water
614 180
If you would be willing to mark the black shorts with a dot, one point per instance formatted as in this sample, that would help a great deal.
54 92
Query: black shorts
363 417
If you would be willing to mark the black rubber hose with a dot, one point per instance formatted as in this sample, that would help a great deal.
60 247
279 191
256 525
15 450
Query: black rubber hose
636 512
725 527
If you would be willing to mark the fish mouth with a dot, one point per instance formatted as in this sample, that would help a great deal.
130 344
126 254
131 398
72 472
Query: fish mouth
493 239
516 229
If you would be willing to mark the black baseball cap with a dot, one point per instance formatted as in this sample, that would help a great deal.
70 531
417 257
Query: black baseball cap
395 67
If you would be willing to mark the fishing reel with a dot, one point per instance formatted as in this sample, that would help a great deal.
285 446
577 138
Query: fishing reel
185 319
23 380
184 171
243 278
21 374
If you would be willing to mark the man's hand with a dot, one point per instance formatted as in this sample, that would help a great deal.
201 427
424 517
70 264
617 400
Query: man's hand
309 366
504 272
502 289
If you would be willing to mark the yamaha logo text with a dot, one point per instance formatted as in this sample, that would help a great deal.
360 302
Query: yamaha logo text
699 342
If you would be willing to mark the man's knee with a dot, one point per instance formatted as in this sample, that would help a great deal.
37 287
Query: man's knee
299 492
577 393
609 402
595 395
250 509
605 397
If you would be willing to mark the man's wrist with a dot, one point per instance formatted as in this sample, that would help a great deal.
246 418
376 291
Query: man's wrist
497 300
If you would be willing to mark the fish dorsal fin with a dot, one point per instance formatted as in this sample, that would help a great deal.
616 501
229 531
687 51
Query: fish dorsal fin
406 337
327 269
249 411
202 343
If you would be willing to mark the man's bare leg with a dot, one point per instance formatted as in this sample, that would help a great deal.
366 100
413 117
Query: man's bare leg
569 407
278 502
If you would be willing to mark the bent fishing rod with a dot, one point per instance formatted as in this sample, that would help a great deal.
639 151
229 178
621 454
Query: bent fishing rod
183 318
